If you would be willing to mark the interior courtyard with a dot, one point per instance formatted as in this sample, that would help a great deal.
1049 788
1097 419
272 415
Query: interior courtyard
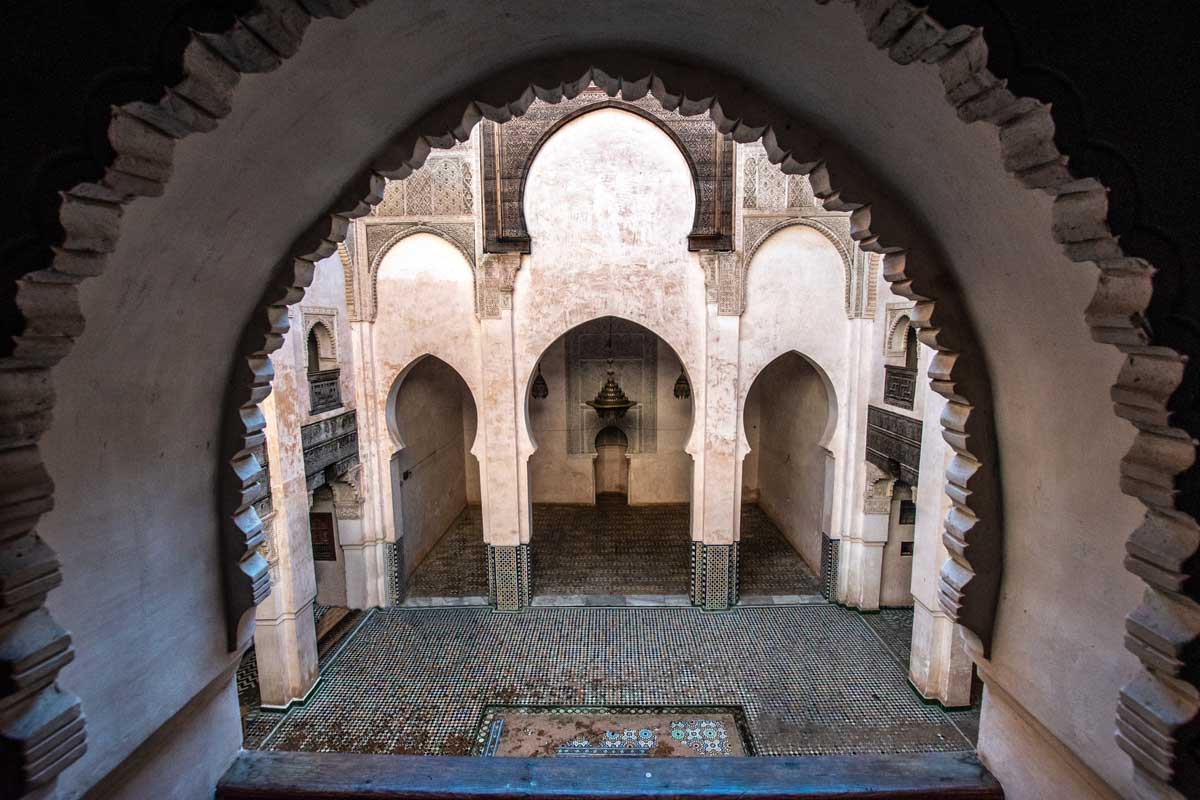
667 402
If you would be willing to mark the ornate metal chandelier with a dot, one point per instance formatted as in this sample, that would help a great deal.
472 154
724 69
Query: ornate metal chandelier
611 402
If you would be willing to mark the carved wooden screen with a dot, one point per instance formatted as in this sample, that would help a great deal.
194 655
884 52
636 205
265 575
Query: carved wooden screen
320 525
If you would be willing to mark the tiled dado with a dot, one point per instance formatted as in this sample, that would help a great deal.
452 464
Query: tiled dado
714 575
393 555
509 580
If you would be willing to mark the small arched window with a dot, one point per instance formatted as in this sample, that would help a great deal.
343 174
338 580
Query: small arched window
911 350
314 352
324 382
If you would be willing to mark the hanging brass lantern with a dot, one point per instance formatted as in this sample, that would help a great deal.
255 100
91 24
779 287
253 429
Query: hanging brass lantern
611 401
683 389
539 391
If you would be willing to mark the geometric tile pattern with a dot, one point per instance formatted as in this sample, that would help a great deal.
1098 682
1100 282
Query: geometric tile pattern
508 576
769 563
714 575
812 679
893 626
612 549
457 565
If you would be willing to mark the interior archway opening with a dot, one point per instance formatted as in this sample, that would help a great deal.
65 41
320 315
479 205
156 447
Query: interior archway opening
610 481
786 481
440 552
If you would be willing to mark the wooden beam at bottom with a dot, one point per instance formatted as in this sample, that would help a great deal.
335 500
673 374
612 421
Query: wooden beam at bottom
308 776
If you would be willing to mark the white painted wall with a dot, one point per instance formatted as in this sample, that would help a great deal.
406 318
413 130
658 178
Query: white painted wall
895 582
609 203
426 306
429 419
793 407
780 319
556 476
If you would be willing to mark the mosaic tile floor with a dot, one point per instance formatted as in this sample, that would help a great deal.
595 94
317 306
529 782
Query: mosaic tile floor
257 722
770 565
894 627
811 678
457 565
614 550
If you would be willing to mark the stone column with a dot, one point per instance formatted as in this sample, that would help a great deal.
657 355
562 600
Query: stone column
505 495
862 550
940 667
285 635
714 583
859 535
369 547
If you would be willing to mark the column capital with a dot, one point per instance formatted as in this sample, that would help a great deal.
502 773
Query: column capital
724 281
497 274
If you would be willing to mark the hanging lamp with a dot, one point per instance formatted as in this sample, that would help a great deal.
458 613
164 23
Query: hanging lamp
539 391
683 389
611 401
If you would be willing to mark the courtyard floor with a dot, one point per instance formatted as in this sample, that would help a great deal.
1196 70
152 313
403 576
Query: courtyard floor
610 551
808 679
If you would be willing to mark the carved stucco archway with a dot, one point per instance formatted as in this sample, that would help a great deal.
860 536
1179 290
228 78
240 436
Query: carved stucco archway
847 257
1158 708
708 155
377 257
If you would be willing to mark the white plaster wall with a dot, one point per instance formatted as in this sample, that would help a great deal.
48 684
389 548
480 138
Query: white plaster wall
331 575
665 476
429 420
556 476
793 408
895 584
751 424
609 203
470 462
795 303
426 306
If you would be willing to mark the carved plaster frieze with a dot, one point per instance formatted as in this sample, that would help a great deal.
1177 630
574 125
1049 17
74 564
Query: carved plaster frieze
347 494
897 318
724 281
442 187
312 315
496 281
877 498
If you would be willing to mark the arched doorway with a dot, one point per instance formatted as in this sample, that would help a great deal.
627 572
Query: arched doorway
610 488
435 481
786 480
612 466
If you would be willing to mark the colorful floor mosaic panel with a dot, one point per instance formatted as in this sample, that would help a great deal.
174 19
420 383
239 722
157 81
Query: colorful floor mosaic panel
613 550
812 679
612 731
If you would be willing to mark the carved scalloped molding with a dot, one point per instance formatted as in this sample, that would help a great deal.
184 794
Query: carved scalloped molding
1159 710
